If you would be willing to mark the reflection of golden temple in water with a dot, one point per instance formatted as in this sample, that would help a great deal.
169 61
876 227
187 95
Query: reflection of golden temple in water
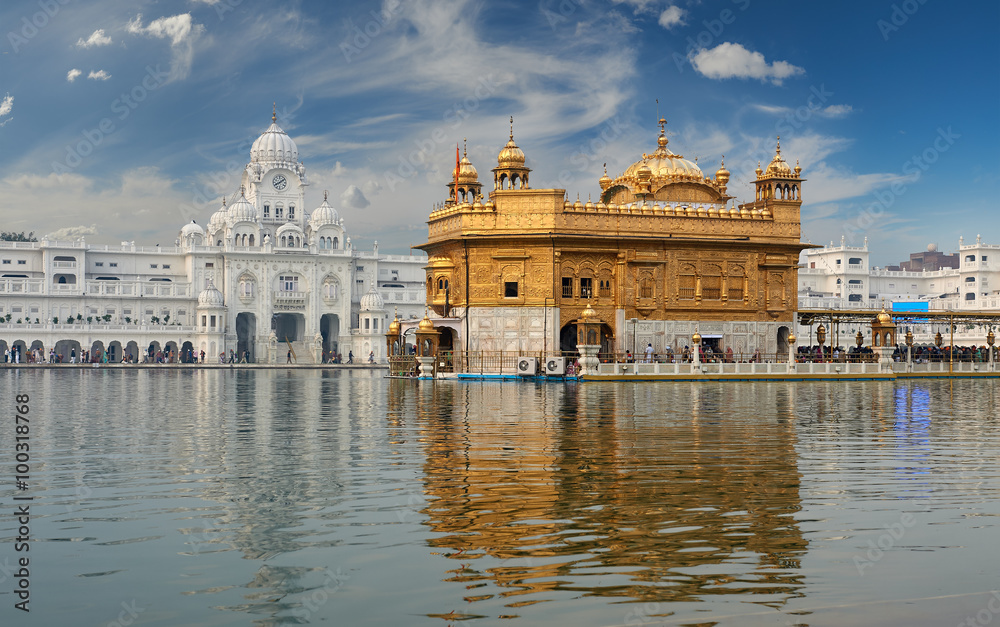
584 500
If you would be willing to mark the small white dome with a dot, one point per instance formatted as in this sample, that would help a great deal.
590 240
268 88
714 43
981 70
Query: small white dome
242 211
324 214
218 219
372 301
274 145
288 227
191 228
210 297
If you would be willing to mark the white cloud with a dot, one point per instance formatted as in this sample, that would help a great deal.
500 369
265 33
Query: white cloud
354 198
97 38
640 6
182 33
6 105
73 74
836 111
99 75
729 60
71 232
672 16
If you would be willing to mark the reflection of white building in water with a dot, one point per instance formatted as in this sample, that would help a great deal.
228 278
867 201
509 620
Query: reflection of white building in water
263 277
840 277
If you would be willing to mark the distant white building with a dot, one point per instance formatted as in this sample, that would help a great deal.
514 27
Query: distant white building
840 277
262 277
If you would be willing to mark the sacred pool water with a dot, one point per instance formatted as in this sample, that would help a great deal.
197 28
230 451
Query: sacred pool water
277 497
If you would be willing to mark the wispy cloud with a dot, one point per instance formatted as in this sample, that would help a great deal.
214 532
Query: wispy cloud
729 60
672 16
97 38
73 74
182 33
6 106
99 75
831 111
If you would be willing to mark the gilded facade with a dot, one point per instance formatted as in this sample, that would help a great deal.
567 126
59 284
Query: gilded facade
662 254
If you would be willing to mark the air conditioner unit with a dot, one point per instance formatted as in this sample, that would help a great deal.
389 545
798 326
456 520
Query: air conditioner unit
555 366
527 366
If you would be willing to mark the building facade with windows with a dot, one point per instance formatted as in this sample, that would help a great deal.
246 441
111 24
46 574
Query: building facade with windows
839 277
263 277
661 255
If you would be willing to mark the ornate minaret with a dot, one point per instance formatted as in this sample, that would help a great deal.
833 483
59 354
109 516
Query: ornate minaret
779 190
510 172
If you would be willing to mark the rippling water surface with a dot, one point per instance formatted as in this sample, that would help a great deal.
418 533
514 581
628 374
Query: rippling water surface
211 497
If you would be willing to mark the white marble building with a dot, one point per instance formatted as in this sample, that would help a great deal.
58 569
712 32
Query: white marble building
262 277
840 277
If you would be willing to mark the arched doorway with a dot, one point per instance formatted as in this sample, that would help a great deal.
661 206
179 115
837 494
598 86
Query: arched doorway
132 351
187 353
170 352
246 331
288 326
38 351
782 341
115 352
567 339
329 328
152 350
65 349
18 352
96 350
4 347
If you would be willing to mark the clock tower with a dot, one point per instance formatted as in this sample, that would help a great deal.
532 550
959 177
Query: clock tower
275 179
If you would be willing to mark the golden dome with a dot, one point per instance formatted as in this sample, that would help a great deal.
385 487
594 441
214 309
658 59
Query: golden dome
605 181
722 174
394 325
467 172
778 166
510 155
798 168
758 171
662 163
425 326
884 317
588 313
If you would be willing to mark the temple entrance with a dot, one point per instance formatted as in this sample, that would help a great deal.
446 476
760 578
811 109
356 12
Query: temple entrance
782 341
246 331
288 326
329 328
187 353
567 339
115 352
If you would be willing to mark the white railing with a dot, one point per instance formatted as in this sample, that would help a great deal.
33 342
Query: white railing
96 327
63 264
21 286
68 288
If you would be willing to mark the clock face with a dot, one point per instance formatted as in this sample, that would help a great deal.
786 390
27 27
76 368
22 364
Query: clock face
279 182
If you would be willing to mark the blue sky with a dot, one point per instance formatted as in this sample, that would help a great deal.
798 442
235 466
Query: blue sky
123 119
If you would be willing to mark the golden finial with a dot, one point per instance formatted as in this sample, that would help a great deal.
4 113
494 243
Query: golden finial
274 112
325 193
512 128
465 146
223 201
778 149
663 124
243 190
605 168
723 163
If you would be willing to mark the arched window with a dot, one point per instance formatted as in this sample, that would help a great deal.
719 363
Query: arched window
267 211
251 239
291 212
322 243
336 243
279 211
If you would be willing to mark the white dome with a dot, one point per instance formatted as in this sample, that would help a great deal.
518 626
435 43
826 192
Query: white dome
372 301
191 228
324 214
218 219
210 297
242 211
288 227
274 145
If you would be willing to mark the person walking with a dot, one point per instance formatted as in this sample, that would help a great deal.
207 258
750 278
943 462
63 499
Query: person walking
288 360
232 356
350 357
371 357
72 355
649 353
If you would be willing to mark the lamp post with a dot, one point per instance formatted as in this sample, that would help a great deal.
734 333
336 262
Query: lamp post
820 339
990 339
909 350
791 351
635 323
696 340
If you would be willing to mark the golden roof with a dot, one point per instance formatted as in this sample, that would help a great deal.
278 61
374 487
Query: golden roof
466 171
510 155
662 163
884 317
425 326
778 165
394 325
